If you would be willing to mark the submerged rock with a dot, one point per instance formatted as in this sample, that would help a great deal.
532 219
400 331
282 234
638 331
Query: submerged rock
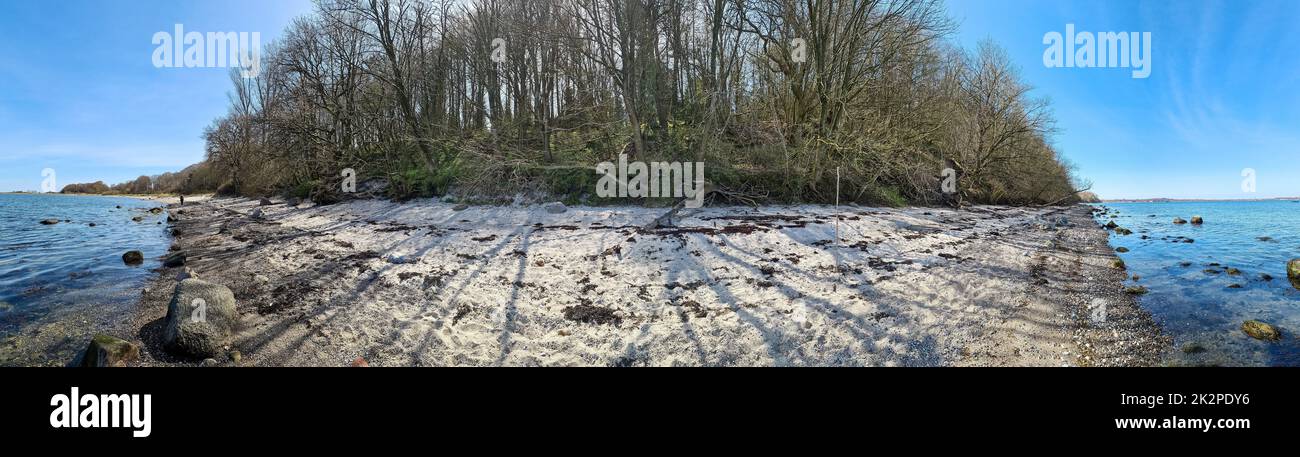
1261 331
200 319
1111 225
108 351
1121 249
133 258
1293 272
1193 348
1136 290
1179 220
1196 220
49 222
1123 231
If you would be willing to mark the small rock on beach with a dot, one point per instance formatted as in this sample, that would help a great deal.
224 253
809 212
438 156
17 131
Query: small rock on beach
108 351
555 208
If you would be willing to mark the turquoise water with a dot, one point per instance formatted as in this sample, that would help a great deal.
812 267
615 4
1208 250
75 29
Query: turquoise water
70 274
1205 309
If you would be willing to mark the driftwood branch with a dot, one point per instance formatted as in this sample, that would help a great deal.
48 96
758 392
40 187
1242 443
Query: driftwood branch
666 220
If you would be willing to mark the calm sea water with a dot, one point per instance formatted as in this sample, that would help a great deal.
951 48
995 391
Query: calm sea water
61 283
1204 309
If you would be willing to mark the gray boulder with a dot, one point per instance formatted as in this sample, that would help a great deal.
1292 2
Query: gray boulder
200 319
108 351
555 208
264 201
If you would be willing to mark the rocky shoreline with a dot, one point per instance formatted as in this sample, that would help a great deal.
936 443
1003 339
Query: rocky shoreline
1193 282
431 283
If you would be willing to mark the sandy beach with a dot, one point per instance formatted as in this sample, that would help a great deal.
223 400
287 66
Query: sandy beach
431 284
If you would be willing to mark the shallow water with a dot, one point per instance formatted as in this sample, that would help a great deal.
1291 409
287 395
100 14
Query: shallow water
61 283
1199 307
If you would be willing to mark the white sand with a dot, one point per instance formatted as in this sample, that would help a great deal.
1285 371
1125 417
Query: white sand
490 286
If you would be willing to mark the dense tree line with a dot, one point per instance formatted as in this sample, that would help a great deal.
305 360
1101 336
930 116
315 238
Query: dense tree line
198 178
495 97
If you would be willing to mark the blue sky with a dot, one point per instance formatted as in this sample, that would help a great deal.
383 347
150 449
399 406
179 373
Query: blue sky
1222 95
79 92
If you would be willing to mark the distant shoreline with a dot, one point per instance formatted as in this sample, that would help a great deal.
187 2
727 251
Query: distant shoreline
1193 200
163 197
